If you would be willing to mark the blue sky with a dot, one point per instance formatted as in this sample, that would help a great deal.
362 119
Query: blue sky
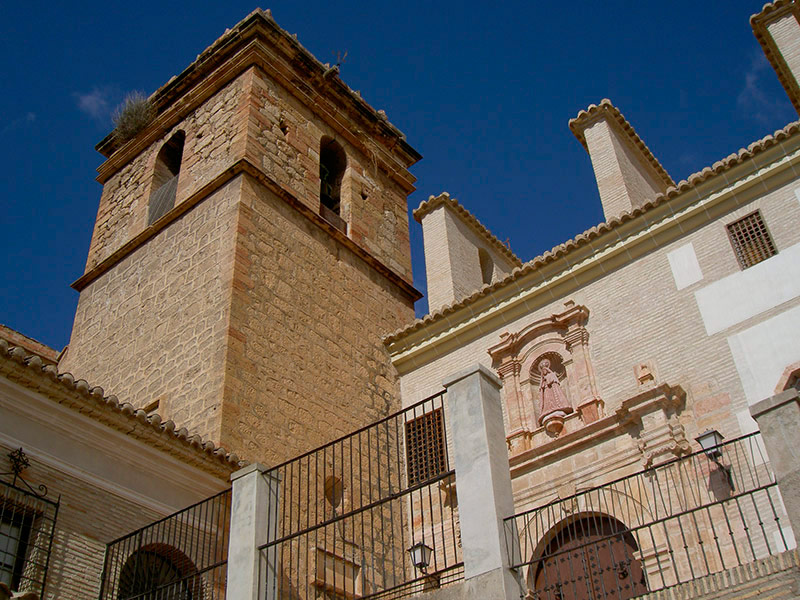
483 92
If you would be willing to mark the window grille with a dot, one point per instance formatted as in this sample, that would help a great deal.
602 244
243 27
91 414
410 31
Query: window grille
27 523
751 240
425 447
14 531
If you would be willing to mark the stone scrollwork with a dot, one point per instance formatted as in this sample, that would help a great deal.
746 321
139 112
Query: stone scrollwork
653 416
547 376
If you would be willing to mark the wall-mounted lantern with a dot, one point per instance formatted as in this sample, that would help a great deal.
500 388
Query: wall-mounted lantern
709 441
420 555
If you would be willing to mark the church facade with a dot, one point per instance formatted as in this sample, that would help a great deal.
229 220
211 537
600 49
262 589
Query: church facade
248 298
624 348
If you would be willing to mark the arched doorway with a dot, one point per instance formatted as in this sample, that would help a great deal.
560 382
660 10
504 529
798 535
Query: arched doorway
159 572
588 558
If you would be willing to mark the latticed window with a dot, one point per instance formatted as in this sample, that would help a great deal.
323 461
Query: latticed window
751 240
425 449
27 523
15 527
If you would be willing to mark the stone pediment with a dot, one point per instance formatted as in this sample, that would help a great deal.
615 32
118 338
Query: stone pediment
512 343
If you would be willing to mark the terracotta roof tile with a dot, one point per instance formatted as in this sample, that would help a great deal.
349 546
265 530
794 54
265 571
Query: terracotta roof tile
596 231
444 198
83 395
31 345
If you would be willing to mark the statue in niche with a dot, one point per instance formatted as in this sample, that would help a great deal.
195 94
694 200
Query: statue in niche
554 403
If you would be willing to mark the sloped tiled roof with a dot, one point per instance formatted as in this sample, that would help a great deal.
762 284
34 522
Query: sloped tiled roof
594 232
29 370
46 353
444 198
578 124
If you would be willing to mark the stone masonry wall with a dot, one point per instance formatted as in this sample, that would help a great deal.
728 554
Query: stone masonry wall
283 139
214 140
438 268
637 176
784 33
154 326
464 257
305 363
88 518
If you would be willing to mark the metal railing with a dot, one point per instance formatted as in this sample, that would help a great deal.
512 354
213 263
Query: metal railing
673 523
350 511
27 527
180 557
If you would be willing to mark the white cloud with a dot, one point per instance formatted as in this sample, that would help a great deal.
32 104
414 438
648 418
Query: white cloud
28 117
95 103
753 100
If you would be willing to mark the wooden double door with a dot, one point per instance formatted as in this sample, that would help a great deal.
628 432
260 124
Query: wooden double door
592 558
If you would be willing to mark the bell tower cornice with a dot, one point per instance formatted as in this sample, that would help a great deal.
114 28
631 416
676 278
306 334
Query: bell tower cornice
258 41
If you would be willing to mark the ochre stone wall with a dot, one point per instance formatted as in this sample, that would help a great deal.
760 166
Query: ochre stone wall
214 140
283 139
304 362
244 306
154 326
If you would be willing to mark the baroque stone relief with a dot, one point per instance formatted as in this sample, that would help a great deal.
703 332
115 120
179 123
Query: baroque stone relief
547 376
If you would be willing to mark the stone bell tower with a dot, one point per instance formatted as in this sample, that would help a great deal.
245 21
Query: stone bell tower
250 249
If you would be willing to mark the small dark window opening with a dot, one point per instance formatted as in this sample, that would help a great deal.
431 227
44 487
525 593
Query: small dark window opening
165 178
487 266
425 449
332 163
15 530
751 240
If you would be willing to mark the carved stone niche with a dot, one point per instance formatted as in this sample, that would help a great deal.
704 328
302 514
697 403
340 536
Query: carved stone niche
555 348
